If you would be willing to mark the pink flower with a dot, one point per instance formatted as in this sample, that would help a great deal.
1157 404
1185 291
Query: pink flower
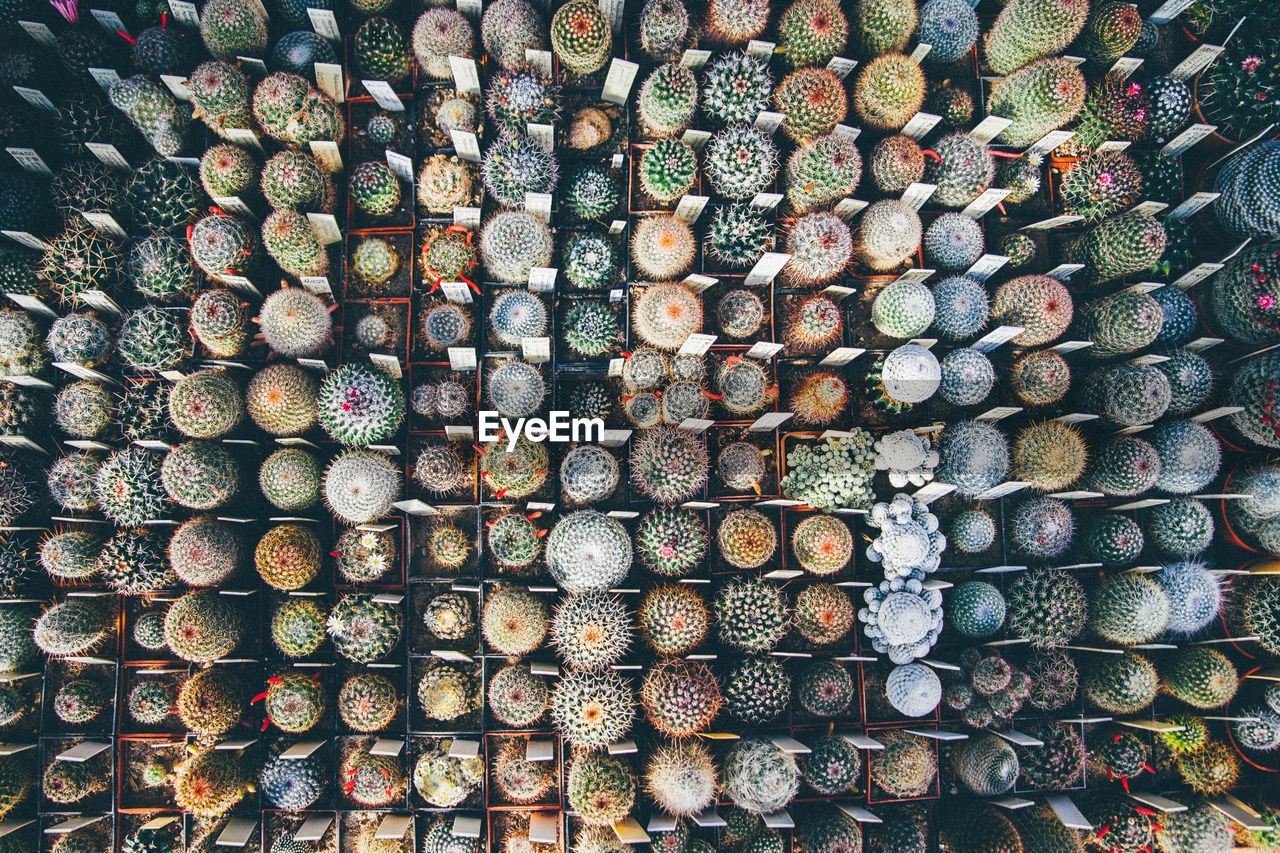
1251 63
1265 302
1104 179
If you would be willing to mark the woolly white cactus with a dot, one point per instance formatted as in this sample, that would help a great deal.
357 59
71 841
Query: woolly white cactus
908 456
902 618
911 374
913 690
910 544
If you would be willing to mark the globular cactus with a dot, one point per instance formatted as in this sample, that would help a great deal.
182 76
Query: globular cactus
888 92
1127 394
962 168
896 162
1042 528
668 169
961 307
1113 27
220 92
664 315
364 629
298 628
812 102
154 112
752 614
200 475
375 189
972 531
818 398
680 697
906 767
671 541
736 88
1201 677
987 765
588 551
968 377
219 322
514 166
740 162
821 246
1189 456
758 776
903 309
360 405
1129 609
953 242
1114 539
288 108
673 619
360 486
1041 304
1101 185
888 235
1121 323
1027 30
80 338
592 709
950 27
440 33
664 29
667 101
976 609
290 479
292 179
1119 246
1041 97
811 32
368 702
581 37
509 28
512 243
1181 528
821 171
205 551
1051 456
202 627
1120 684
517 697
1124 466
516 389
223 245
974 456
228 170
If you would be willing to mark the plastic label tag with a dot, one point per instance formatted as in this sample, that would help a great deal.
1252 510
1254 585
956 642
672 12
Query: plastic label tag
36 98
177 86
690 208
401 165
381 91
918 193
185 13
920 124
325 23
617 84
108 155
466 75
326 227
329 76
989 128
28 159
841 66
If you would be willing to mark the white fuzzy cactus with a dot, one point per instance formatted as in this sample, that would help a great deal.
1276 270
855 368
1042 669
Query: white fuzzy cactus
907 456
